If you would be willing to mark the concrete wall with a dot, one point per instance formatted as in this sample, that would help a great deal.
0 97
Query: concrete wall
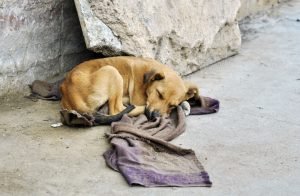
39 39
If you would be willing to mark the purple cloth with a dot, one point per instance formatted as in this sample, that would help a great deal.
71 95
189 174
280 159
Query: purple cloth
140 150
130 161
206 106
142 154
45 90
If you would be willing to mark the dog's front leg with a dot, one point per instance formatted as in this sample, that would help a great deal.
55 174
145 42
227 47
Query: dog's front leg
137 110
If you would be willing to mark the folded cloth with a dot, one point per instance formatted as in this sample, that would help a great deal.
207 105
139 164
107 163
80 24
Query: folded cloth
44 90
204 105
73 118
142 154
101 117
140 149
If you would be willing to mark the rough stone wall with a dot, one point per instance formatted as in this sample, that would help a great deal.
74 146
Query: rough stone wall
186 35
39 39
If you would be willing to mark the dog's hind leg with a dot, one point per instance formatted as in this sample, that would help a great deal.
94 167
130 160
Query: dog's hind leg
115 105
115 91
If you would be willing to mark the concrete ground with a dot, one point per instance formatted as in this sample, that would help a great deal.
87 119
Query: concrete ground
251 147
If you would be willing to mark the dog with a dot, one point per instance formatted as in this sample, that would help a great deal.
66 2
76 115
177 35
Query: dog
152 87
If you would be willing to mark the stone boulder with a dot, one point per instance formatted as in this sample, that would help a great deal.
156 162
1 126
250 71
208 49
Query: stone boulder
38 40
186 35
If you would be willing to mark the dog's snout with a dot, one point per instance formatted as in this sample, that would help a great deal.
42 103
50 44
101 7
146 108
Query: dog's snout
155 114
151 115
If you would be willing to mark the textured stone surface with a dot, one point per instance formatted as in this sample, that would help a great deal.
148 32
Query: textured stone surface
38 40
187 35
42 39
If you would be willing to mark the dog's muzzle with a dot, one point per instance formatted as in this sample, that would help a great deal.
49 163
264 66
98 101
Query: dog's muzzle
152 115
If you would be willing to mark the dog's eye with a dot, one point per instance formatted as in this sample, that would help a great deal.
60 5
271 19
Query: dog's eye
159 94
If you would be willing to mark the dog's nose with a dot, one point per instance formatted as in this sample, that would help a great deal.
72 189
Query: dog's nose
155 114
151 115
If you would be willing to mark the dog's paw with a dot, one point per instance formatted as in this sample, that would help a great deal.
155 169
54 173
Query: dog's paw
186 107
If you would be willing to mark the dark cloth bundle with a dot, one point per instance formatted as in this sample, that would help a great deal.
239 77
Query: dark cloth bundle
44 90
141 150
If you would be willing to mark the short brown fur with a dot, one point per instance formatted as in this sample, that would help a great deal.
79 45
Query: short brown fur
142 82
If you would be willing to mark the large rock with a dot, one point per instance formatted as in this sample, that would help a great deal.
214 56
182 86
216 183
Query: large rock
38 40
187 35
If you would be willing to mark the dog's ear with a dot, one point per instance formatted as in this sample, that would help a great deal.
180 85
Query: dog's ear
152 76
192 90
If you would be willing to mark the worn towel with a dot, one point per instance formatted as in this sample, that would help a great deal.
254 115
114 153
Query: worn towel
45 90
141 150
142 154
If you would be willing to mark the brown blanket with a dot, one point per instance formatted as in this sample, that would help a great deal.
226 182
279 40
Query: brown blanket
141 150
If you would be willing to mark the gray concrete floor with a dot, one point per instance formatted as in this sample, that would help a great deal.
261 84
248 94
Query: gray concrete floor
251 147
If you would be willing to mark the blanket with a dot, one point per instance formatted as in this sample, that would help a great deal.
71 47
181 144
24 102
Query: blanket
141 150
142 153
45 90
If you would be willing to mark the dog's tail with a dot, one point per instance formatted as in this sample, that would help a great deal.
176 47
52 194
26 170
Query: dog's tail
102 119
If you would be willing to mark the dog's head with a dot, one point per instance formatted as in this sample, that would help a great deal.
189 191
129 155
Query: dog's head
165 91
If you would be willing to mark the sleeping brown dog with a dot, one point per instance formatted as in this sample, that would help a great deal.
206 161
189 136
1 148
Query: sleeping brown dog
150 86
